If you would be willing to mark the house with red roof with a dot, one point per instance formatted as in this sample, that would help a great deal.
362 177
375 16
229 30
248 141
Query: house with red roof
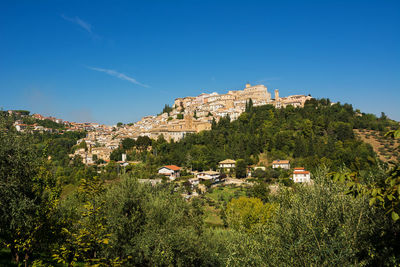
170 171
300 175
20 126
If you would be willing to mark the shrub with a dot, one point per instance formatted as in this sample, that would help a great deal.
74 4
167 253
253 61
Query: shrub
247 212
315 225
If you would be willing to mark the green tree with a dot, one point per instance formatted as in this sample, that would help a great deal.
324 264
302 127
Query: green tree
116 154
249 105
316 225
167 109
151 226
259 190
259 173
82 145
128 143
85 238
328 233
241 168
23 112
143 142
247 212
28 196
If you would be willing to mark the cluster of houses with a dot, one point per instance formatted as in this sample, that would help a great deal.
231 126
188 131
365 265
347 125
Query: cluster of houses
69 126
195 114
72 126
300 175
188 115
172 172
21 127
99 145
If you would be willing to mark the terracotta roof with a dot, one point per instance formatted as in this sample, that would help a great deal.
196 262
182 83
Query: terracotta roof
227 161
280 162
172 167
299 168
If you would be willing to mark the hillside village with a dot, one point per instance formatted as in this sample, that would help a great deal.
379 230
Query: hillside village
187 115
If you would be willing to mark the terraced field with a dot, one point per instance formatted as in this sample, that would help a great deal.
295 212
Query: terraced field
386 148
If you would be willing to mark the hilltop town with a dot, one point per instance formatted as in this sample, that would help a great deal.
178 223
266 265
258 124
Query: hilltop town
187 115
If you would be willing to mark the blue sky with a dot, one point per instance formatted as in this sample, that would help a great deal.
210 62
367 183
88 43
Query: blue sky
110 61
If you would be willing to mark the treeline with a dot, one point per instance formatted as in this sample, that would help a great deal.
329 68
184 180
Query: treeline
321 133
16 112
56 147
24 116
45 123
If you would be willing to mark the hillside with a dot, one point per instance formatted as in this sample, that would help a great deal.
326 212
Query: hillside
320 133
386 148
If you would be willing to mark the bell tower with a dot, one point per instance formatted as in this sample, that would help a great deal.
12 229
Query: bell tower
189 122
276 94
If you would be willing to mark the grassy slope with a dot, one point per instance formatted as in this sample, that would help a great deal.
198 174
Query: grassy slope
217 199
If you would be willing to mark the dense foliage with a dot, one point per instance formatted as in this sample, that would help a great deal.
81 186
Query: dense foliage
28 192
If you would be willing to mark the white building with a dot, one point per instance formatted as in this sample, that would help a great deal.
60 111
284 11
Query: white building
209 176
259 168
194 181
171 171
300 175
227 164
284 164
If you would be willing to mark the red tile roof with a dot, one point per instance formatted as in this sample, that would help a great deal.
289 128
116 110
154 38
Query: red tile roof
172 167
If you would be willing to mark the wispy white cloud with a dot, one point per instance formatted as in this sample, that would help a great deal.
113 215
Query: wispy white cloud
81 23
119 76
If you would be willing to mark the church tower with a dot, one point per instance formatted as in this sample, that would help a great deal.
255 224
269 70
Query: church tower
276 94
189 122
